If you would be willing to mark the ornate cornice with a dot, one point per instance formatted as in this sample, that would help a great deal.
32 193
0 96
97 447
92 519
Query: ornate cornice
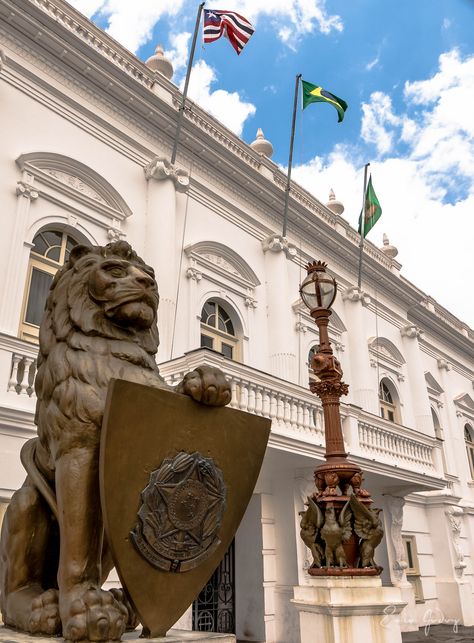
411 331
277 243
355 294
160 169
26 190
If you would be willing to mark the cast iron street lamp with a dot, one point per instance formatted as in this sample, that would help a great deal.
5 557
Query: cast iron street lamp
331 524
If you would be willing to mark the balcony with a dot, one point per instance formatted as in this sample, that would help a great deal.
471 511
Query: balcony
377 445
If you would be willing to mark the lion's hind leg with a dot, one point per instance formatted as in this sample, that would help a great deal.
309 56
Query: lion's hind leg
29 599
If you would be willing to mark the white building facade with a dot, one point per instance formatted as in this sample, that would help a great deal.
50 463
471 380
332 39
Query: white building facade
87 129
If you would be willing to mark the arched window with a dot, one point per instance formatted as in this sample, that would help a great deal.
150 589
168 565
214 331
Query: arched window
217 330
388 401
469 442
50 251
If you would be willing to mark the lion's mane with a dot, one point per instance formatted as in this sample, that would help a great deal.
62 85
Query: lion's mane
81 350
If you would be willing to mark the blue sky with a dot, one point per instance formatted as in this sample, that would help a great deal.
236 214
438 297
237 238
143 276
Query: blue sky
406 69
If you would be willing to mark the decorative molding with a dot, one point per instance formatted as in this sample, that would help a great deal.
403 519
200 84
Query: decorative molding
115 234
354 294
160 169
300 327
73 179
432 385
336 325
455 516
411 331
464 406
250 302
384 350
216 259
443 364
194 274
26 190
277 243
395 506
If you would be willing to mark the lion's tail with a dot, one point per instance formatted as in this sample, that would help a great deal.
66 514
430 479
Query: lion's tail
27 456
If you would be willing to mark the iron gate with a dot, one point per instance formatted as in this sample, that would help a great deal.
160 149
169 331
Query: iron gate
214 608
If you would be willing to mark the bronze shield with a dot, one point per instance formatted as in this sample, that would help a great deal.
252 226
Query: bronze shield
175 480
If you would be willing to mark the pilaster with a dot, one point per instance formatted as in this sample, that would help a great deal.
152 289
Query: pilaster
364 393
419 394
282 357
397 558
453 590
455 443
161 251
18 261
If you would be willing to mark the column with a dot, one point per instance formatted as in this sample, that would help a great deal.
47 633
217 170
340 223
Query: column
279 314
363 386
416 374
161 247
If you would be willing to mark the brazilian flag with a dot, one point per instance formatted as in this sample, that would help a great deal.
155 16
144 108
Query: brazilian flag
372 210
314 94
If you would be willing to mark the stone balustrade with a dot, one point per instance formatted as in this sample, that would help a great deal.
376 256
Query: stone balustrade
294 411
18 361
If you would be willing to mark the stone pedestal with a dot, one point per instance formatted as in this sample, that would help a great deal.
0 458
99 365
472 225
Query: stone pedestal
173 636
349 609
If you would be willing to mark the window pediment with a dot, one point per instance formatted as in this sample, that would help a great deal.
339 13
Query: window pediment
383 349
74 179
432 385
465 404
213 257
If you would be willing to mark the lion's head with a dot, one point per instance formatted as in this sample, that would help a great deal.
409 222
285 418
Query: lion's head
103 291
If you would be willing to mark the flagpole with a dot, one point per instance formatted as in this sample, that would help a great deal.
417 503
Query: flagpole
186 83
290 159
361 244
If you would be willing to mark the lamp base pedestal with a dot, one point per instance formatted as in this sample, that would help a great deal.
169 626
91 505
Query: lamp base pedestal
349 609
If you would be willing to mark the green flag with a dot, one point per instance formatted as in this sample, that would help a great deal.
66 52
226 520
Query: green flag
372 208
314 94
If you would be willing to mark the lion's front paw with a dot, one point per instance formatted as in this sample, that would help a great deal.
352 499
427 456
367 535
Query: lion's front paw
44 617
120 596
207 385
95 616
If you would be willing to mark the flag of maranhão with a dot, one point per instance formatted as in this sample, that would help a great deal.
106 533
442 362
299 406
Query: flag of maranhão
315 94
228 23
372 210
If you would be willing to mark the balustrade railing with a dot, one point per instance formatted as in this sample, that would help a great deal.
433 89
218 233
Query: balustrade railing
385 443
294 411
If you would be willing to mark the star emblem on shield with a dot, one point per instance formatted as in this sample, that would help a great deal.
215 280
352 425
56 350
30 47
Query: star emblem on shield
181 512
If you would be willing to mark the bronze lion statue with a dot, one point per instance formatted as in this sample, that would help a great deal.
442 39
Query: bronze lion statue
100 323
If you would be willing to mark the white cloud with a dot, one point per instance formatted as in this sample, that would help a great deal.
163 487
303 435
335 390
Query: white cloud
378 121
426 226
87 7
292 18
225 106
373 63
178 54
131 23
